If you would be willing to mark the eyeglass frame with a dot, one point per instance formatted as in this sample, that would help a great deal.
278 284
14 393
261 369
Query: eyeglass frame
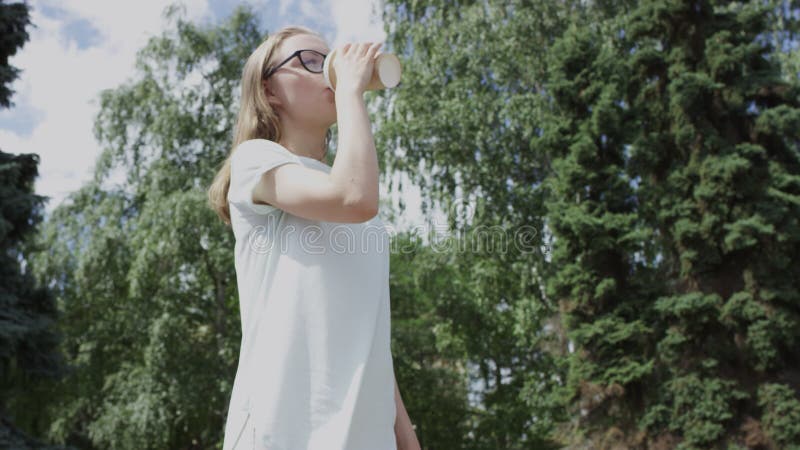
296 53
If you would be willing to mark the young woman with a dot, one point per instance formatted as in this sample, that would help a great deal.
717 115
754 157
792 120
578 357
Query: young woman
312 257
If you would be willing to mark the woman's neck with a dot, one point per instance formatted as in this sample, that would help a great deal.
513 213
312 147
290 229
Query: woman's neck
308 144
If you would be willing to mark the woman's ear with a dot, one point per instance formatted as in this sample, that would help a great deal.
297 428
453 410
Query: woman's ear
271 98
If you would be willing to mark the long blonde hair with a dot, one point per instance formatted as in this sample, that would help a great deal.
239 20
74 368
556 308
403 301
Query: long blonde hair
257 119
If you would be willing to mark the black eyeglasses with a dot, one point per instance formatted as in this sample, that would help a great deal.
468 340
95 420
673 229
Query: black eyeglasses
312 60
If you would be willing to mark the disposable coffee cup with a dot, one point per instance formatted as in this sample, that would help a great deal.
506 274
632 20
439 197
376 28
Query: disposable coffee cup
385 73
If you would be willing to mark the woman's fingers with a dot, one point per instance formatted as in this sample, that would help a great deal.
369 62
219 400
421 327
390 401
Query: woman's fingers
373 49
369 49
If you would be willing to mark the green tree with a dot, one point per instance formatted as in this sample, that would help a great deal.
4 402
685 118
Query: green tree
465 124
441 319
603 279
428 363
674 198
14 21
29 340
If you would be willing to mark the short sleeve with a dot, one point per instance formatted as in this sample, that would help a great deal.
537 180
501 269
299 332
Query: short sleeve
249 161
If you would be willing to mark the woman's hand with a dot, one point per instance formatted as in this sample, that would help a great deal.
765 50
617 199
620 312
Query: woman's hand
354 65
406 438
404 434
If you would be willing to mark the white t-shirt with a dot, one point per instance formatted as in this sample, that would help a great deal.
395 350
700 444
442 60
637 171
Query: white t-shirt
315 367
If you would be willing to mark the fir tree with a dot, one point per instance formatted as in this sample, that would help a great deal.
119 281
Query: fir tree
675 206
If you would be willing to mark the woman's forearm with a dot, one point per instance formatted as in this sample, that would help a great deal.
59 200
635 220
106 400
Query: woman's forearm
355 168
403 428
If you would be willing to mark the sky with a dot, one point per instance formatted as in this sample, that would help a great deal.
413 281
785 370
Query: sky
56 95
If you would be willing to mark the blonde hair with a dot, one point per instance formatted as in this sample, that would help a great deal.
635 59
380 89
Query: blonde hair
257 119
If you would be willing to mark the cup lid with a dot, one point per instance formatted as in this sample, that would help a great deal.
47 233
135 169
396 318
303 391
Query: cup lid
388 69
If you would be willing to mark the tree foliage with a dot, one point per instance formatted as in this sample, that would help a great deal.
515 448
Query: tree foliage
14 23
656 143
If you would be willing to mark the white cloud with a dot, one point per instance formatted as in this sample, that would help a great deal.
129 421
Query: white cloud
357 20
127 24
